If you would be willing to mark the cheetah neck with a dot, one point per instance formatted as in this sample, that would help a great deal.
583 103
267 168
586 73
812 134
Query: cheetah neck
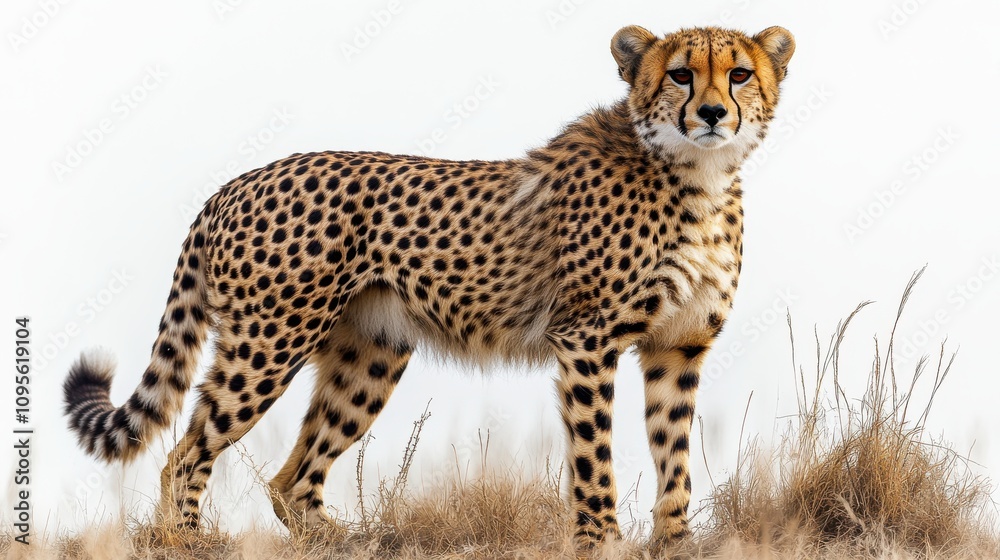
610 132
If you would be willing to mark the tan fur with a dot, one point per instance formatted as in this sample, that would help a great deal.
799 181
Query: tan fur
622 232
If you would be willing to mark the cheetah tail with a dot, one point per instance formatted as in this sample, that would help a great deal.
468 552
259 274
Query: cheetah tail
120 433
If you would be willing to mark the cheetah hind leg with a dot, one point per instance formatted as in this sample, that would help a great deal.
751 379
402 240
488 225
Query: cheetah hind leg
244 381
355 376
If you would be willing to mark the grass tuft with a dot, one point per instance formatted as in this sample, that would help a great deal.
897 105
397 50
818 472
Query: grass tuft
861 475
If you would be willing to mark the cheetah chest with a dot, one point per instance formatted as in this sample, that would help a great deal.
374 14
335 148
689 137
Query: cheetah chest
696 279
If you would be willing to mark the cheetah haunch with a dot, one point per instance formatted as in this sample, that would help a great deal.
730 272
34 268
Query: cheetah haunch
622 232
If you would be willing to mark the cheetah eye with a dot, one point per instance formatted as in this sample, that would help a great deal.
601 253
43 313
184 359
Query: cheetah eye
739 75
680 76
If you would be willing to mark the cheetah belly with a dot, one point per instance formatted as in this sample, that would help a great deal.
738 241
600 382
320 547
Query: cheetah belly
379 313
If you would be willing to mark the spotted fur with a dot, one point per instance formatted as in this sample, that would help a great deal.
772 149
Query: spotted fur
624 231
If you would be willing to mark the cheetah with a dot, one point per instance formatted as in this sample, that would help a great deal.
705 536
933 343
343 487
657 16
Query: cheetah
624 232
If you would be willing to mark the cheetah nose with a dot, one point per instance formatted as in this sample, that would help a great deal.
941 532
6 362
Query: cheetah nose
712 114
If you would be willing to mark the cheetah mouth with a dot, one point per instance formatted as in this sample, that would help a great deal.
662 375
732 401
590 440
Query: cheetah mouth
711 137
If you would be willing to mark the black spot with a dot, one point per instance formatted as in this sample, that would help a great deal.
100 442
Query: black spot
610 359
166 351
350 428
349 355
607 391
237 382
659 437
222 423
585 430
688 381
602 420
265 387
692 351
178 315
681 411
655 374
292 373
583 395
584 468
594 503
377 370
259 360
150 378
603 453
652 304
585 367
714 321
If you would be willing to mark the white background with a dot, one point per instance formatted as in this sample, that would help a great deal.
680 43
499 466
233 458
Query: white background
872 85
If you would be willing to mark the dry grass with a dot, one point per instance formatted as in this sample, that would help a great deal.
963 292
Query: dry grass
857 476
851 478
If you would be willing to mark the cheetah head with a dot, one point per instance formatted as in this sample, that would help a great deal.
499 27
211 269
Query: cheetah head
703 88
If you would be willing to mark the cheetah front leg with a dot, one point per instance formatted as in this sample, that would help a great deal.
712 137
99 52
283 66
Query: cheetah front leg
671 381
586 383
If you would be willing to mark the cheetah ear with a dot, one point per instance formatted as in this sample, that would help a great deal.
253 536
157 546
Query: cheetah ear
628 46
779 45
